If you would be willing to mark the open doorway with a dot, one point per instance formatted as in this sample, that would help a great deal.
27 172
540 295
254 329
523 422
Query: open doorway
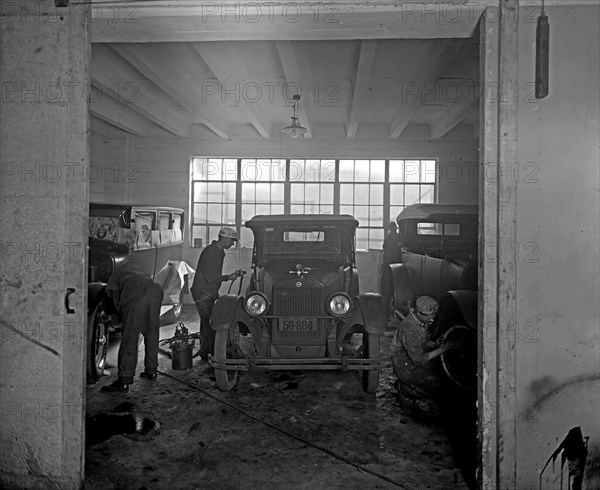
140 150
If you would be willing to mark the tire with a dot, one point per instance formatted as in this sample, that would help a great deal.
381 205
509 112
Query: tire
97 342
370 350
226 342
460 365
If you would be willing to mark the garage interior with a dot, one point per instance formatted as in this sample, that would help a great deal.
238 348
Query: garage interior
165 83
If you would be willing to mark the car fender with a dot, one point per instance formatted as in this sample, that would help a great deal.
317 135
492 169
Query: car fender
96 292
456 307
403 290
229 310
368 311
225 311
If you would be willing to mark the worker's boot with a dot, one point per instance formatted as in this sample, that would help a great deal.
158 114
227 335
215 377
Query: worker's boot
115 386
148 376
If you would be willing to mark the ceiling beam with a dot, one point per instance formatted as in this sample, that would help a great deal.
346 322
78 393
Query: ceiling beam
100 127
239 20
433 61
468 100
104 107
165 69
222 60
361 84
116 76
234 20
296 74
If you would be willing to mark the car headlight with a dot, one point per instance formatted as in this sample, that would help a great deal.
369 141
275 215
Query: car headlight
257 304
339 304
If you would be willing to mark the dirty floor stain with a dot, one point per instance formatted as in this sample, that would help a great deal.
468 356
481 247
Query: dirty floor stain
181 432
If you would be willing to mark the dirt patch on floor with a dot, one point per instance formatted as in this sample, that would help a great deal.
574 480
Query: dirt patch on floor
274 430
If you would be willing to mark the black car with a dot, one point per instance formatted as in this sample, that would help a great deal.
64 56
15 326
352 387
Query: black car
302 302
437 267
144 239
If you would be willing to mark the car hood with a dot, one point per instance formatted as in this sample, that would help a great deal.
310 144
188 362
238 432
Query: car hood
331 276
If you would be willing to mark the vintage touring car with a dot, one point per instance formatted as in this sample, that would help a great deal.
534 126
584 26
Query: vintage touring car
437 266
302 302
143 239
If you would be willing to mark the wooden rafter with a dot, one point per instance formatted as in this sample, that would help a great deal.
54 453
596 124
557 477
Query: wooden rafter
361 84
115 76
170 81
469 100
432 62
221 58
104 107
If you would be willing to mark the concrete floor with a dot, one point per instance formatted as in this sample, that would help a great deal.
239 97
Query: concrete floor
275 430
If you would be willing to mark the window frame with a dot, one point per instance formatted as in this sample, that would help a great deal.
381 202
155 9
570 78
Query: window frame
375 230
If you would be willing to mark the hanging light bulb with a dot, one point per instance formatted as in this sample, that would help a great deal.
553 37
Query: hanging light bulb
295 129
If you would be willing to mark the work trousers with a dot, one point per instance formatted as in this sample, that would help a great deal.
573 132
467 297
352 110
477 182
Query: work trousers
141 314
207 334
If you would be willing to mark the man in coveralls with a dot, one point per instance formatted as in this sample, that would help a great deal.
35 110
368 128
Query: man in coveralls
207 281
138 299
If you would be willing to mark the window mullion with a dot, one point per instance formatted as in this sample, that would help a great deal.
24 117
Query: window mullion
238 198
336 188
287 189
386 195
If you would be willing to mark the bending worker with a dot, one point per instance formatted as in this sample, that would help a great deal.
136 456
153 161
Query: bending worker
138 299
206 285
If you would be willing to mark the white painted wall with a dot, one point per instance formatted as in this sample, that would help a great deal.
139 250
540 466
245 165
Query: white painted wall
43 214
157 171
558 273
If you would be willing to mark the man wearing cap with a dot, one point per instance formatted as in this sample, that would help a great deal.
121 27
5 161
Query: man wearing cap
138 299
207 281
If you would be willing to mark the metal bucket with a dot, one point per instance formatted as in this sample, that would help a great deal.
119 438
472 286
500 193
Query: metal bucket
181 356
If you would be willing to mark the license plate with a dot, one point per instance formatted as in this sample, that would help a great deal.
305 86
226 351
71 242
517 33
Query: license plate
297 324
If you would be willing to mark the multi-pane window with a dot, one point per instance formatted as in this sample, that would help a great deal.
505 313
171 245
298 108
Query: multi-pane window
312 184
214 197
411 182
262 190
228 192
361 195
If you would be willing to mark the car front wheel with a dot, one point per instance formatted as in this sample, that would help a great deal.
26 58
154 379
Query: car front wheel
226 347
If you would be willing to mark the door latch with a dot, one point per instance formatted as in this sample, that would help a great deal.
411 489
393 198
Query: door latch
70 311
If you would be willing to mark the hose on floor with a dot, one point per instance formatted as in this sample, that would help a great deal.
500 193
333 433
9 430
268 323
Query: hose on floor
324 449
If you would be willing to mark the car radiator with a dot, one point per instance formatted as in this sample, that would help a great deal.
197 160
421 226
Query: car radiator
301 304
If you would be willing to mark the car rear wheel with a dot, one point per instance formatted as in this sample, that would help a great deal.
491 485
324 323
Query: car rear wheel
97 342
226 347
460 363
370 350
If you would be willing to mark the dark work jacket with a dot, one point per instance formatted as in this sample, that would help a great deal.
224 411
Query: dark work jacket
128 286
208 277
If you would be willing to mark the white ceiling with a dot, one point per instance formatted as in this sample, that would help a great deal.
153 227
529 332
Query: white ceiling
229 70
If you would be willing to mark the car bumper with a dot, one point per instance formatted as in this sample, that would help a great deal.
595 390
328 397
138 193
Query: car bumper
272 364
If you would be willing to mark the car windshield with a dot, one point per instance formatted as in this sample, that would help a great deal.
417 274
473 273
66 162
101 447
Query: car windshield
301 243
